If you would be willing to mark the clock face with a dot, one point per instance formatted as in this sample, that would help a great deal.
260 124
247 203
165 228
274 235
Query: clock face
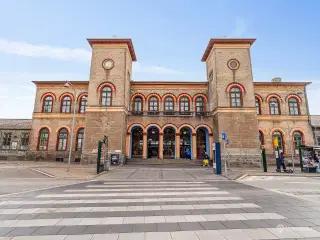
108 64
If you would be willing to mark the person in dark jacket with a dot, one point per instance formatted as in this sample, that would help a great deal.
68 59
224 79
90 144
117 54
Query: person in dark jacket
282 162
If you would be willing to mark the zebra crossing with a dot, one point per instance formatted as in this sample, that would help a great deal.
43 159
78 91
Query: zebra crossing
140 210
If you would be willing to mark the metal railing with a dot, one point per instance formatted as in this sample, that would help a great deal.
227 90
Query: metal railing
170 113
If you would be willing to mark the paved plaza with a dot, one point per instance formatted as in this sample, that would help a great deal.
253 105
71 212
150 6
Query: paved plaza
157 204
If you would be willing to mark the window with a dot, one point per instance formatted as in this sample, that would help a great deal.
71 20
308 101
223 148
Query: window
258 107
80 137
274 106
235 97
199 104
43 139
106 96
293 106
318 140
83 104
62 139
297 141
168 104
153 104
24 141
137 107
6 141
47 104
184 104
66 105
278 135
261 138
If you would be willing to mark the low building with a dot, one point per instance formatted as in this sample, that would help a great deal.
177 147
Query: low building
174 120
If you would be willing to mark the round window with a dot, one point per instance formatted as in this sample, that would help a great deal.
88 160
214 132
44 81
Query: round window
233 64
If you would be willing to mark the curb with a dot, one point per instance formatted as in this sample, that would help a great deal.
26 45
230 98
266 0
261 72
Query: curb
43 173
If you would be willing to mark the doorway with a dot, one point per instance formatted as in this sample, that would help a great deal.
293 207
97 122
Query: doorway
185 143
153 142
169 140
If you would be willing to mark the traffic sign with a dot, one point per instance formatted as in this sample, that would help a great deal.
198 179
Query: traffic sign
224 135
227 141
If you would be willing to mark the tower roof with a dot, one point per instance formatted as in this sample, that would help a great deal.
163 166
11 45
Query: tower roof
214 41
115 41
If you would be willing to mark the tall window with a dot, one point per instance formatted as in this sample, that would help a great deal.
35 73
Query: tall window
80 137
47 104
293 106
199 104
24 141
274 106
235 97
43 139
137 106
66 105
106 96
278 135
6 141
168 104
297 141
153 104
184 104
258 107
83 104
62 139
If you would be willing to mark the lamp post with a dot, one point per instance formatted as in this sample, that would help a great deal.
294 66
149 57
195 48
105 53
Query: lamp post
69 85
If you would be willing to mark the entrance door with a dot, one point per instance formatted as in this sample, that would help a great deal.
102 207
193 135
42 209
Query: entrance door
185 143
137 142
201 143
169 140
153 142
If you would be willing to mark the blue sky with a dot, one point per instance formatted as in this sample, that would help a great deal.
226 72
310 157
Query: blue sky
46 40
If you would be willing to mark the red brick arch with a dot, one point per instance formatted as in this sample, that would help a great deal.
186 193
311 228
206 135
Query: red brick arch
256 95
294 96
200 95
184 95
54 98
138 95
153 95
277 96
235 84
66 94
169 95
106 84
82 95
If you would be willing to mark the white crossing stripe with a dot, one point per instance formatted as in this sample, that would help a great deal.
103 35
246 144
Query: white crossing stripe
138 220
129 194
257 234
121 200
142 189
128 208
148 185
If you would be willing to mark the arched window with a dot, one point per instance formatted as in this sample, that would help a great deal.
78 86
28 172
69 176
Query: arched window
199 105
168 104
47 104
278 135
297 141
274 106
43 139
137 104
153 104
62 139
83 104
184 104
293 106
261 137
258 106
106 96
80 137
235 97
66 105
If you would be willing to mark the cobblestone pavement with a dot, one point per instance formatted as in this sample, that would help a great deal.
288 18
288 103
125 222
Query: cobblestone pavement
125 205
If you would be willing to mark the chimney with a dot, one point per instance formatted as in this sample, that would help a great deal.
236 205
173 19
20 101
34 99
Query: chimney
276 79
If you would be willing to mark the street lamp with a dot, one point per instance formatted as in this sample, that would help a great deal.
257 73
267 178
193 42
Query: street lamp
69 85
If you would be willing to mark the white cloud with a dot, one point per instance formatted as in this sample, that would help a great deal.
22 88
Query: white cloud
138 68
240 28
32 50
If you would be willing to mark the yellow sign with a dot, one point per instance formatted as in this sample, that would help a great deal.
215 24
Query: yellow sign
275 142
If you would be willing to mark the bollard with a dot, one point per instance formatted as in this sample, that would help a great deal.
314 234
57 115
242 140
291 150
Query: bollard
218 158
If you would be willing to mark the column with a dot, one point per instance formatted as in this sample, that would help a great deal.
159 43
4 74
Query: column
144 152
194 145
128 145
160 145
210 145
177 145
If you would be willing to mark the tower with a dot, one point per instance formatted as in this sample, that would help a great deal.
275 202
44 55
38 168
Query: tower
108 95
231 98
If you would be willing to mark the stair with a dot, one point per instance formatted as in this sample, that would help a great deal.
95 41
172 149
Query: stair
179 162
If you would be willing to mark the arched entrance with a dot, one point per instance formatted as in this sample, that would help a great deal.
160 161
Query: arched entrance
185 143
153 142
136 142
169 142
202 142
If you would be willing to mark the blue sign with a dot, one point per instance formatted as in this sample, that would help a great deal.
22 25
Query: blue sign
227 141
224 135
